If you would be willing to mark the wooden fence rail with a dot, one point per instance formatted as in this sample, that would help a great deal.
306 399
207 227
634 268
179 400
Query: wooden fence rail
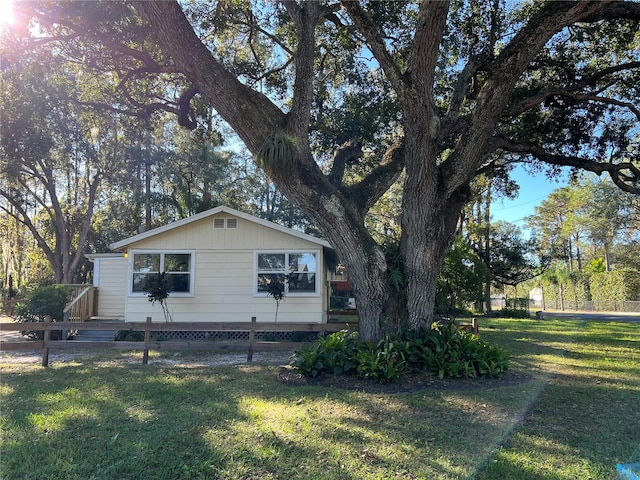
250 346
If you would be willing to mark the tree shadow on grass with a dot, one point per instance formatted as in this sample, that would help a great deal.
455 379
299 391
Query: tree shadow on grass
88 421
585 422
71 422
575 431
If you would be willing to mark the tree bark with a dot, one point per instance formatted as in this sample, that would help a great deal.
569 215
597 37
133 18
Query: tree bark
487 247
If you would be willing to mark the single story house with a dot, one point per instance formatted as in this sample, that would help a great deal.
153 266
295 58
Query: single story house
219 265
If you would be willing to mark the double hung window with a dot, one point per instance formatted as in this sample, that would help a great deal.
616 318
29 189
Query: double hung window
296 271
178 267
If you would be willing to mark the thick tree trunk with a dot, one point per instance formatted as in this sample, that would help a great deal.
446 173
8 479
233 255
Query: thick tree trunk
427 240
381 308
357 250
487 292
430 213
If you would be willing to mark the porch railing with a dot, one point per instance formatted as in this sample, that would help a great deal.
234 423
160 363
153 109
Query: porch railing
82 305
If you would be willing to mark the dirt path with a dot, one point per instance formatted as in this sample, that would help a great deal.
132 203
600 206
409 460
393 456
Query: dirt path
12 336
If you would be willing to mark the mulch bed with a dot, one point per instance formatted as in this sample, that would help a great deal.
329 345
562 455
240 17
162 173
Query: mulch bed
407 384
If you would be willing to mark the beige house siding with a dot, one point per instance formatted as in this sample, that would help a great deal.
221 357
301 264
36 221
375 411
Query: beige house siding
224 275
110 278
200 235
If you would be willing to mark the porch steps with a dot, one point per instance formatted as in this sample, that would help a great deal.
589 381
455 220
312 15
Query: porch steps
98 335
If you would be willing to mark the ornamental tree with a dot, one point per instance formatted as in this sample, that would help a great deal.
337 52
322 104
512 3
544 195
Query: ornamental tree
338 101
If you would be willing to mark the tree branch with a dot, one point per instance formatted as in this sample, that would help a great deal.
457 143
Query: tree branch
366 193
251 114
430 25
184 107
503 74
375 41
575 97
23 218
348 152
569 91
141 71
53 17
448 124
614 11
143 113
626 175
86 223
305 18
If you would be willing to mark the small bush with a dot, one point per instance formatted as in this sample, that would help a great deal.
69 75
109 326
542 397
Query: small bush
40 303
445 351
513 313
333 354
384 362
129 336
308 361
300 336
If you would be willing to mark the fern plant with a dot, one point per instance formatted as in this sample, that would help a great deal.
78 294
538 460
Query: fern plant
277 153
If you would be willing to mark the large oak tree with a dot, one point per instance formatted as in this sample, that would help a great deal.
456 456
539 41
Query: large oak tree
340 100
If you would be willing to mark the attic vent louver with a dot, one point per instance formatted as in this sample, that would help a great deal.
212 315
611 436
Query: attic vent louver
218 223
222 223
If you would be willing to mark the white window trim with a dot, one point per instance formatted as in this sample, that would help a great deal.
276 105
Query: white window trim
192 271
317 293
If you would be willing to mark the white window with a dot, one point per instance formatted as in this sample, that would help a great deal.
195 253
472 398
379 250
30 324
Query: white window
178 267
296 271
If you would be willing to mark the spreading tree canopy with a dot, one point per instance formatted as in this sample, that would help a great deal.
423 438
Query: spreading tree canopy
338 101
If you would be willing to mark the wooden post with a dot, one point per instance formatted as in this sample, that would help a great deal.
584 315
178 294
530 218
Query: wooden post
474 325
47 336
147 339
252 338
65 318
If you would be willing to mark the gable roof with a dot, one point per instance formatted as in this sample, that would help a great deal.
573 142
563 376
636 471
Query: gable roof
122 244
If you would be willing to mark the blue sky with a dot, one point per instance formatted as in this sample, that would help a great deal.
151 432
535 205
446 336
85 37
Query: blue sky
533 191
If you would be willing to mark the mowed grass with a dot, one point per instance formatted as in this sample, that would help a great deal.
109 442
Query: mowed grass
587 419
105 416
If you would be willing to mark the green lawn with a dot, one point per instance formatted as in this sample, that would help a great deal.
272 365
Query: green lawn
105 416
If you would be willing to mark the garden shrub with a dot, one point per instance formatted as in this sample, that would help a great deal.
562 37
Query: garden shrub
512 313
445 351
129 336
335 354
385 361
40 303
